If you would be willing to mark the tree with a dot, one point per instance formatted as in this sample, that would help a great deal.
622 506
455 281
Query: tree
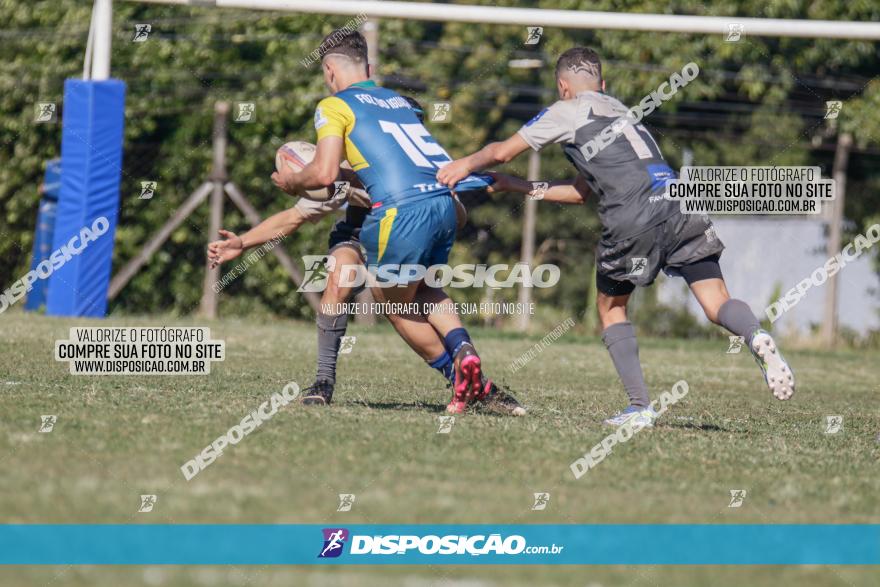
757 101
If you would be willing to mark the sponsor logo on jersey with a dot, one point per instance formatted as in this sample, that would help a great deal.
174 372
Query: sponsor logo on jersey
320 119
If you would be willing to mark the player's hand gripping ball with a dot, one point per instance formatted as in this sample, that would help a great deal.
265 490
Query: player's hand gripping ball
296 155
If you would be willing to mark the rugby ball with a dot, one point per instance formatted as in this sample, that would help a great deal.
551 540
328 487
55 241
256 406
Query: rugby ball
296 155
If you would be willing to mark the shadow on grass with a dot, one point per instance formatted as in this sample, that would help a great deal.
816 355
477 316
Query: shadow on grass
402 406
696 426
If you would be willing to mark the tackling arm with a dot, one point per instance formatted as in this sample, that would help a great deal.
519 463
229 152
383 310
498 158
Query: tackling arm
562 192
489 156
231 245
283 223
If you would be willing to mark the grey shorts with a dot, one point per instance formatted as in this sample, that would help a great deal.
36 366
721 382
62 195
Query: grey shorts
675 246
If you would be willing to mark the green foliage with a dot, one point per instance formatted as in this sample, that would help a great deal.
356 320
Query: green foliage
757 101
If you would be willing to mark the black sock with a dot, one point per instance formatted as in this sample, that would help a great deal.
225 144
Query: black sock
331 329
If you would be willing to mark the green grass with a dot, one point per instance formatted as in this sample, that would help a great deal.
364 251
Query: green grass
118 437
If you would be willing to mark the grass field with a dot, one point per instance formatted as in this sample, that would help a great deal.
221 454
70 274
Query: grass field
122 436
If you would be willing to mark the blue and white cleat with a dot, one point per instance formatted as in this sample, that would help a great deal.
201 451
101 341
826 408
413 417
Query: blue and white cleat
633 416
777 372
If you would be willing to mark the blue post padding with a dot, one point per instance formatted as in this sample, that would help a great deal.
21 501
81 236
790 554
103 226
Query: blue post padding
36 297
91 163
44 231
52 180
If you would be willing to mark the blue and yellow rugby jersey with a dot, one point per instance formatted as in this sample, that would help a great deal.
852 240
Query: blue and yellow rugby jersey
393 154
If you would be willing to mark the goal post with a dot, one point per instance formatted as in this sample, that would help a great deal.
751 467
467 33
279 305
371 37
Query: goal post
91 170
568 19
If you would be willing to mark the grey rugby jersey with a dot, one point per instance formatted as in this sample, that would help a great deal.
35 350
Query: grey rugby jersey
628 174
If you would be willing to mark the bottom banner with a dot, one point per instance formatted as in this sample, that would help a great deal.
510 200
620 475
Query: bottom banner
564 544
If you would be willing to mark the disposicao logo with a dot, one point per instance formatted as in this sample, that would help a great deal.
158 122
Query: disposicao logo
431 544
334 540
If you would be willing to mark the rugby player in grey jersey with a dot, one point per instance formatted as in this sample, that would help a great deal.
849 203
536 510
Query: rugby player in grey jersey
642 233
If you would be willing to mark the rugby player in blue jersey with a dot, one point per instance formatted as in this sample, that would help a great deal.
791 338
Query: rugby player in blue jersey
412 221
344 251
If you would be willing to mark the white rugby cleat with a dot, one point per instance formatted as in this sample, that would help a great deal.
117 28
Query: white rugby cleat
777 372
637 417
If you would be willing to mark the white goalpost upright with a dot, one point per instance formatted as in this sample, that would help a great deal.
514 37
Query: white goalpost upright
101 34
568 19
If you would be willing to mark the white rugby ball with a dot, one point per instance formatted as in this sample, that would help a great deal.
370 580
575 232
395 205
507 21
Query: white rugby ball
296 155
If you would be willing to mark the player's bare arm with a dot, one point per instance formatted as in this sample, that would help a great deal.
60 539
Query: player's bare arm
569 191
320 172
489 156
231 245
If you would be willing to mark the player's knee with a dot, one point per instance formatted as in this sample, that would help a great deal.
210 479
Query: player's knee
610 310
712 308
611 319
711 313
603 309
606 303
712 303
335 292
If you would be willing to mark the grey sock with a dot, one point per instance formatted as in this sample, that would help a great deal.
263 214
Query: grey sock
620 339
331 329
737 317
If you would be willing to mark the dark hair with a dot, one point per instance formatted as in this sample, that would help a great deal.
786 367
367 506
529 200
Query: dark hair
580 60
417 108
346 42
